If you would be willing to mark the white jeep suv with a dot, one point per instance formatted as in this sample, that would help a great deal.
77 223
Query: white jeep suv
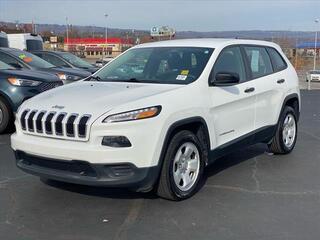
157 115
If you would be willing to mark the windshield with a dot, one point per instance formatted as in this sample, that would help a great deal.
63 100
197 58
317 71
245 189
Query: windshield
168 65
34 45
4 66
32 60
75 61
3 42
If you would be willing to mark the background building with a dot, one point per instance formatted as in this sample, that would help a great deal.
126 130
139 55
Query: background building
97 47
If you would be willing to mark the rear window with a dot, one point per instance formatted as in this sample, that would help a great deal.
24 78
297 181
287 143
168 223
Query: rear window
259 61
278 62
33 45
3 42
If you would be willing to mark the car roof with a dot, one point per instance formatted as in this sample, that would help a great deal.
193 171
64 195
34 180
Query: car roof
10 49
206 42
46 51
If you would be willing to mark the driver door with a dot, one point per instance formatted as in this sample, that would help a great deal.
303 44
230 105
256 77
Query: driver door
232 107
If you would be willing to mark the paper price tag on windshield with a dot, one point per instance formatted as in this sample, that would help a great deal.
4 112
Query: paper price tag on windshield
22 56
184 72
181 77
27 59
255 61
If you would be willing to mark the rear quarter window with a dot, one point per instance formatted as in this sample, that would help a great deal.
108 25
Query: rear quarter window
278 62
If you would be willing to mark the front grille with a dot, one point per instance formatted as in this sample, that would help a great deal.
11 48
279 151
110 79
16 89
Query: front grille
30 120
82 127
54 124
39 122
58 124
70 125
23 119
49 85
48 122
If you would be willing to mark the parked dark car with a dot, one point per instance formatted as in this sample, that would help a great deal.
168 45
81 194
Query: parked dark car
65 59
18 85
3 39
25 60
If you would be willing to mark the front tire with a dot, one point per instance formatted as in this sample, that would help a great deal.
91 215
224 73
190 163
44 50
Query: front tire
5 116
182 168
285 138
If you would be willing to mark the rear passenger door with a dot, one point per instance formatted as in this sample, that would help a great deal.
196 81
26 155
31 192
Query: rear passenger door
269 83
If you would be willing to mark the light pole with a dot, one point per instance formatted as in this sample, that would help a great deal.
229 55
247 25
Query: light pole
67 31
106 16
315 45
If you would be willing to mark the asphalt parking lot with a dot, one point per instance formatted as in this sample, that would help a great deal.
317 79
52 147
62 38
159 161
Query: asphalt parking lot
249 194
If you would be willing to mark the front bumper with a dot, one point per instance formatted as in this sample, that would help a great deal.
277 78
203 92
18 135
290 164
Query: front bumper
85 173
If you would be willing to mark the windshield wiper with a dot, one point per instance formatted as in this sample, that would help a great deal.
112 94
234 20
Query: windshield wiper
97 78
132 80
139 81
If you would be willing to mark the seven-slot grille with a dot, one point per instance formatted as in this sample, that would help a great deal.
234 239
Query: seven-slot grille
55 124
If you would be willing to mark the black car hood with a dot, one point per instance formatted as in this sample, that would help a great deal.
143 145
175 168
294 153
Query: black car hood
68 71
91 69
29 74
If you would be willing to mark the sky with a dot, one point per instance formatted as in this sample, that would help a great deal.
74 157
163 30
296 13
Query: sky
192 15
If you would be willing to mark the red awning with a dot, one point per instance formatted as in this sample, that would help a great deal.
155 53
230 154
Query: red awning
97 41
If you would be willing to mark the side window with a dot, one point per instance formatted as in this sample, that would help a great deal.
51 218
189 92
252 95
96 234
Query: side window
53 60
277 61
230 60
259 61
10 60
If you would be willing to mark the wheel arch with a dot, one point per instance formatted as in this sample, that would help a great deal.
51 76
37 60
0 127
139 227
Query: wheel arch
195 125
293 101
7 100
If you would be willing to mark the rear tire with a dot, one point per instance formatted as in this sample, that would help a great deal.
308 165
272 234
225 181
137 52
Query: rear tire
183 167
285 138
5 116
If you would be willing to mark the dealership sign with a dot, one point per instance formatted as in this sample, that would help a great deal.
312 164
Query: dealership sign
162 31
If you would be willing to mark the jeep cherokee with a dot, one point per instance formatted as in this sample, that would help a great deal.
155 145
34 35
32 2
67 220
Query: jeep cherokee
158 114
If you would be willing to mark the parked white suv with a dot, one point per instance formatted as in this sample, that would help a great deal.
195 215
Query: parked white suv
158 114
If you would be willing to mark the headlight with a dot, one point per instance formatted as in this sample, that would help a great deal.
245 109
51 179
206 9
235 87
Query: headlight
138 114
23 82
73 77
64 77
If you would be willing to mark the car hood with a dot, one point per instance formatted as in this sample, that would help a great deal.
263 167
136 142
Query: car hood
30 74
68 71
76 72
94 98
91 69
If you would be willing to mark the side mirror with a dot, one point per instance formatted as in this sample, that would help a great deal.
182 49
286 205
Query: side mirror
225 79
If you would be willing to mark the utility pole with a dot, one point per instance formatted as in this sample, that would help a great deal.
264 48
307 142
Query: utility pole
67 30
106 16
315 45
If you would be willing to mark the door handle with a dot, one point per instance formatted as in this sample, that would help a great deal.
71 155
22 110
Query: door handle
249 90
280 81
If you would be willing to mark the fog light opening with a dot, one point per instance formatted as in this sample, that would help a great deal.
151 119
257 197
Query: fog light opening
116 141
